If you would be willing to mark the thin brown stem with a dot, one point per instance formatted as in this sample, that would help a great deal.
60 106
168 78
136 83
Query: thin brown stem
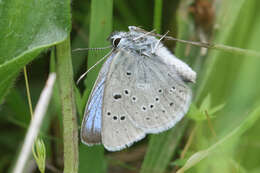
210 124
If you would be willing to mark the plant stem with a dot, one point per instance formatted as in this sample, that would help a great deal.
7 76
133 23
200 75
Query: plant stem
220 47
28 91
157 15
70 129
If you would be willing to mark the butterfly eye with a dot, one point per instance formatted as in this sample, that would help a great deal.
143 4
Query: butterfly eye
116 42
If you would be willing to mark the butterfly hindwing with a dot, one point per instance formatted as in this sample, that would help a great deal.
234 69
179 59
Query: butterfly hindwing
147 93
162 96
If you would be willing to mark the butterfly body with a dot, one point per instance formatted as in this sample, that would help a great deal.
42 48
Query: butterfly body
141 89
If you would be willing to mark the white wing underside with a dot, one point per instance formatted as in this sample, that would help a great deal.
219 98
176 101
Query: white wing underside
142 95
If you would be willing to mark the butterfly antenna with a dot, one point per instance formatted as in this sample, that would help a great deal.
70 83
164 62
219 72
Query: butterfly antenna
194 43
98 48
99 61
158 42
145 34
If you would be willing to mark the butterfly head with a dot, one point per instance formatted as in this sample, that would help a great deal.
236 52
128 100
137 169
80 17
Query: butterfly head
134 40
115 38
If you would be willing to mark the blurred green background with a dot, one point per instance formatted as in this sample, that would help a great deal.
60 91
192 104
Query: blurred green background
223 120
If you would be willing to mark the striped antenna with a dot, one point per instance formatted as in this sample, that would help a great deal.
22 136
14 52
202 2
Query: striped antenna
86 49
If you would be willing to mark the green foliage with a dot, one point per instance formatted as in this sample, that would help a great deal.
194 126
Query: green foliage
26 29
226 87
66 90
199 114
39 154
236 133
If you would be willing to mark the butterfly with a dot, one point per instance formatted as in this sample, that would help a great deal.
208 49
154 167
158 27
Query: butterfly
141 89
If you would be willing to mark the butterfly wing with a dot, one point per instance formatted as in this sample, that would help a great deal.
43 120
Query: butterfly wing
149 94
118 131
92 121
163 97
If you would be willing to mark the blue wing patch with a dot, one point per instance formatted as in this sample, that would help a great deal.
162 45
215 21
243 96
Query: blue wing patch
92 122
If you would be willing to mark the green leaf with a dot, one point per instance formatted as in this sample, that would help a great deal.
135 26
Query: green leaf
245 125
195 114
199 114
215 109
39 154
206 103
26 30
179 162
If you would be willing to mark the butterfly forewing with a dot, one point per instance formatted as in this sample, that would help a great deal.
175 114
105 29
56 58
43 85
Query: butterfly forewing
92 122
118 131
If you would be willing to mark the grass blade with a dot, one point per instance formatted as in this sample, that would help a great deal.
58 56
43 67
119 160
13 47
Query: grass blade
245 125
92 158
35 124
